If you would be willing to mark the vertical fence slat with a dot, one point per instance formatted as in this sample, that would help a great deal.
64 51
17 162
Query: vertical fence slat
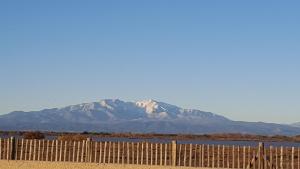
238 157
118 160
202 156
195 155
218 156
293 157
179 156
30 150
137 152
223 156
109 152
26 149
151 153
190 155
104 153
208 155
147 153
244 157
60 150
22 147
161 154
271 157
213 156
100 152
128 154
228 156
82 151
166 153
96 150
123 152
281 157
184 156
114 151
47 151
142 153
78 151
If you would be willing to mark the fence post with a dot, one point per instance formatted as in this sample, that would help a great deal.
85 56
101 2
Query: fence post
174 145
13 148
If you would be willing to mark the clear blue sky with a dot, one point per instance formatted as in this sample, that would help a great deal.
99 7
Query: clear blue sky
240 59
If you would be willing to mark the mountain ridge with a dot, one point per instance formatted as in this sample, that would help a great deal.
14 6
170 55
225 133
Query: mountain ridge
114 115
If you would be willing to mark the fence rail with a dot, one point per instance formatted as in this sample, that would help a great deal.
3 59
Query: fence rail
147 153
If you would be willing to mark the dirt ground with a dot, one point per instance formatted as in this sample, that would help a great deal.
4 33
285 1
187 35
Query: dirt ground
4 164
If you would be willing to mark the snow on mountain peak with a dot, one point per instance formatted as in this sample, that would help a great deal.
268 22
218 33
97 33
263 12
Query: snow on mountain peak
152 108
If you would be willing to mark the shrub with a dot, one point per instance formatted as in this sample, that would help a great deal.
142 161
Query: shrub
33 135
70 137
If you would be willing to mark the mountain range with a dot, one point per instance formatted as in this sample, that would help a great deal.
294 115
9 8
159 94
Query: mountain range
148 116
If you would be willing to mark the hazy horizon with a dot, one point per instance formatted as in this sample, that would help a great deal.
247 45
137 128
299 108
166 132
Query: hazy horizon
234 58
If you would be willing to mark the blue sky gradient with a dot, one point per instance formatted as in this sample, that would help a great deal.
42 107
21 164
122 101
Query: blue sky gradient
240 59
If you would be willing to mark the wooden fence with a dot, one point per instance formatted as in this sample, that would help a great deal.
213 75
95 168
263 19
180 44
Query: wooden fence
147 153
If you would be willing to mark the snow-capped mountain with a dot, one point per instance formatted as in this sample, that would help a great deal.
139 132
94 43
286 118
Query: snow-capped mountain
114 115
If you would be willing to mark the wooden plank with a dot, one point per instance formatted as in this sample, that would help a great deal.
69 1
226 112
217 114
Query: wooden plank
249 155
22 147
200 155
123 152
133 154
56 150
228 156
208 155
161 154
65 151
218 156
100 152
137 153
1 148
151 153
52 150
142 153
293 158
82 151
114 152
203 151
244 157
78 151
233 156
298 158
190 155
223 156
195 155
96 150
109 152
166 154
30 150
128 154
238 156
73 151
16 149
184 156
276 158
271 157
213 156
118 160
179 156
156 154
39 150
47 150
60 150
104 153
281 157
34 149
254 162
147 153
265 158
